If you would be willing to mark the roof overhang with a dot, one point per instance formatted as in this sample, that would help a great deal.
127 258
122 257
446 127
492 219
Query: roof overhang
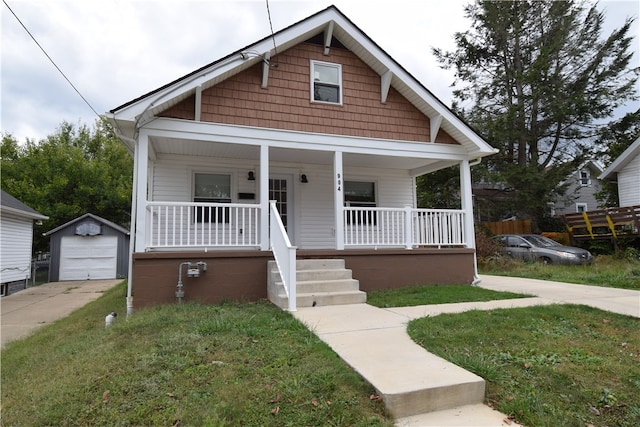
23 214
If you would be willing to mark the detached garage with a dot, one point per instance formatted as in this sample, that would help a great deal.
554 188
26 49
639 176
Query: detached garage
88 248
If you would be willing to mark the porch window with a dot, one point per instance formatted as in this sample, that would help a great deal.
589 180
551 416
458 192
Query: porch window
326 82
362 195
211 188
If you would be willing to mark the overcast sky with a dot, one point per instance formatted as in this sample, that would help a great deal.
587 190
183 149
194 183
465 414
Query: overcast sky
114 51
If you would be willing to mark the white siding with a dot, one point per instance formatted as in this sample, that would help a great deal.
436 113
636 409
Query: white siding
313 201
16 240
172 178
579 194
629 183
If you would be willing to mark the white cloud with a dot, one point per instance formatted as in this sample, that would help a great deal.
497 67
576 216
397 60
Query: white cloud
117 50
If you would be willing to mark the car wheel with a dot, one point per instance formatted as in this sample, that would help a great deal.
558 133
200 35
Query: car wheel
545 260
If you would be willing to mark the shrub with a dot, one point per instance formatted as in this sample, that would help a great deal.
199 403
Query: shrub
486 247
562 238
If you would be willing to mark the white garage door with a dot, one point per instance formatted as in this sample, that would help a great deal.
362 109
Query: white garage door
88 257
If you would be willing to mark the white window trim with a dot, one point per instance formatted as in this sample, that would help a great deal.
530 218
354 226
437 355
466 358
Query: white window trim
581 205
580 179
312 82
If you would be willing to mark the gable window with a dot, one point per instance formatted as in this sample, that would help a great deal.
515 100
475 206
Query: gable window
585 179
326 82
581 207
211 188
362 195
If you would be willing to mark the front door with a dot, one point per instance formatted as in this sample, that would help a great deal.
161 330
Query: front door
281 190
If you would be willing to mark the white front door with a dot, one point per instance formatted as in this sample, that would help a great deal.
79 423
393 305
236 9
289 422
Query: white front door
281 190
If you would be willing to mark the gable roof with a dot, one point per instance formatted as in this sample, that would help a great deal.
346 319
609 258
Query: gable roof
92 216
8 203
623 160
130 116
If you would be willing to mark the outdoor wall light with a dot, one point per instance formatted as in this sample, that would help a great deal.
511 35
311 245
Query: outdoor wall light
251 176
303 179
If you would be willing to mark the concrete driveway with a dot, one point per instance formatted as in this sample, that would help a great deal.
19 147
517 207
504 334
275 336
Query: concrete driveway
32 308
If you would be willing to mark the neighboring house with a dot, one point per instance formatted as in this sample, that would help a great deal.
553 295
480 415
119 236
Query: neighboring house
88 248
320 120
16 242
582 186
625 170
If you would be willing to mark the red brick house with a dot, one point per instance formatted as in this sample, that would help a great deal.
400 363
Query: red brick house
328 127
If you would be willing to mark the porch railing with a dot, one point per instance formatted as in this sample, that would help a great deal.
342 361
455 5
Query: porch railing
184 224
403 227
231 225
284 254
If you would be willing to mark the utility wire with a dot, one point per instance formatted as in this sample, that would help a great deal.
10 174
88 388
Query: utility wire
52 61
273 37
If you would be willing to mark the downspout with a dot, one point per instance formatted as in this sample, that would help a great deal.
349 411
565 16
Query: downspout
132 226
476 277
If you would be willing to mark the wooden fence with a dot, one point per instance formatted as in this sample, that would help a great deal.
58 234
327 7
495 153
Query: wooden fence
509 227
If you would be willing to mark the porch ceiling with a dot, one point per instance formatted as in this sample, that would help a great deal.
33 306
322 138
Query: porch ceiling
174 146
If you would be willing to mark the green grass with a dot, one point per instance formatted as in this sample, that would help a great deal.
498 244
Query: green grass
547 365
253 364
424 295
190 365
605 271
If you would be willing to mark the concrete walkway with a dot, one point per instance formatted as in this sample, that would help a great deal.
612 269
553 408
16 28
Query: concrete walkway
25 311
419 388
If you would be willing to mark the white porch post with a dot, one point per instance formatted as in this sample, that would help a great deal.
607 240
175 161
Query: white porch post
264 198
466 199
338 185
142 156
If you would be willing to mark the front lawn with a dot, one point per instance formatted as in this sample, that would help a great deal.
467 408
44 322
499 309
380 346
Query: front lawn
181 365
558 365
425 295
606 271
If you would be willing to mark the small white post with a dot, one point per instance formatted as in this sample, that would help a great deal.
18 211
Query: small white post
408 227
292 272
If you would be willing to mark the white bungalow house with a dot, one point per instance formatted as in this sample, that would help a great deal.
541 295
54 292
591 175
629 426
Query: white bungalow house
16 242
304 145
625 170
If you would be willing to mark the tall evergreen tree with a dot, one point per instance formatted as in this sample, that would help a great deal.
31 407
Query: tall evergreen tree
539 81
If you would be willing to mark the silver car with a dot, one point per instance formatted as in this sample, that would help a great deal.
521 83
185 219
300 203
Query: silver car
532 247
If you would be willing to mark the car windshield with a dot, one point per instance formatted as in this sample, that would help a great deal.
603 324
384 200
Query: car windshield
541 241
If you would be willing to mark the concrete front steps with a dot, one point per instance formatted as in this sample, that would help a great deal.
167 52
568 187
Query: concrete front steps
320 282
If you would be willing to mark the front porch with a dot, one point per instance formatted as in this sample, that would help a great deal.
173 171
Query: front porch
383 248
276 195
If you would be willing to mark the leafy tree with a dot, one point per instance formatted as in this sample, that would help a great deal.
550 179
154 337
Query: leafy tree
439 190
69 173
539 81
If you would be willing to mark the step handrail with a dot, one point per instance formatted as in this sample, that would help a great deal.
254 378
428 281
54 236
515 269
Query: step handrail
284 253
